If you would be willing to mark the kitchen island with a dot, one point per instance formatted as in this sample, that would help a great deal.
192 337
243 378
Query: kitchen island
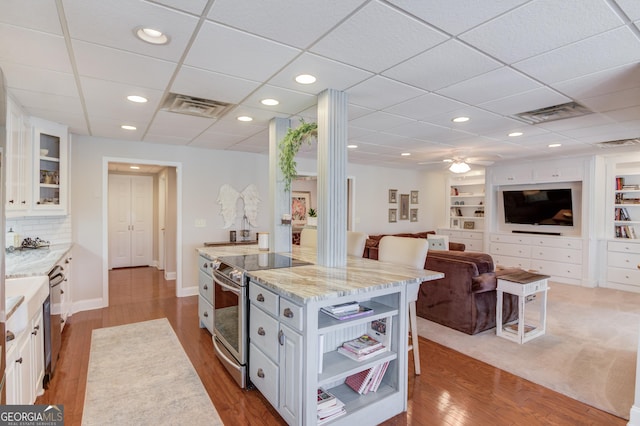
293 343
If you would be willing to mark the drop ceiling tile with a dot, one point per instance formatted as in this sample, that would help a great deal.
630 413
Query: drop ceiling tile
527 101
625 114
211 85
47 102
533 28
35 49
33 14
479 120
468 13
178 125
356 111
490 86
379 121
446 64
584 57
109 100
261 117
215 140
583 122
602 82
35 79
291 102
229 51
112 23
192 6
631 8
162 139
420 130
368 93
122 67
230 124
74 119
294 23
613 101
392 35
110 128
329 74
425 106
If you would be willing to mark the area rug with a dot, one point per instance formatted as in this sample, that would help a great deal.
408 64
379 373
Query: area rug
139 374
588 352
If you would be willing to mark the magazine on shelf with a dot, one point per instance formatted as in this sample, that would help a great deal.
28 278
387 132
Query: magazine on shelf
325 399
342 307
328 417
363 344
378 379
361 357
368 380
362 311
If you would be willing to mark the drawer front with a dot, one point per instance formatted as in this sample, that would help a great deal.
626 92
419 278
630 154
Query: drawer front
263 332
568 270
264 374
624 260
291 314
510 262
555 254
205 282
624 247
205 313
473 245
557 242
514 250
205 265
624 276
511 239
265 299
471 235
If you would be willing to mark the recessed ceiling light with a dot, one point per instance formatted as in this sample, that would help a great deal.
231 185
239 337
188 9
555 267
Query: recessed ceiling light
134 167
305 79
460 119
514 134
405 154
447 160
151 36
554 145
352 146
269 102
127 127
245 118
137 99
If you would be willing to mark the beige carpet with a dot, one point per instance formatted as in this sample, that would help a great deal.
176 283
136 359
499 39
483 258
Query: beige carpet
139 374
588 352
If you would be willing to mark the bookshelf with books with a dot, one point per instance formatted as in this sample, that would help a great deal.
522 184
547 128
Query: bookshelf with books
626 209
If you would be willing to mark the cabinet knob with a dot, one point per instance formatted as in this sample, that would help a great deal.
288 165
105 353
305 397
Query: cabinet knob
260 373
23 202
10 201
288 313
281 337
261 331
10 335
206 287
205 314
34 332
19 360
638 266
260 298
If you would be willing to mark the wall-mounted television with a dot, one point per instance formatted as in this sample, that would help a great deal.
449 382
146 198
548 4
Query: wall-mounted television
538 207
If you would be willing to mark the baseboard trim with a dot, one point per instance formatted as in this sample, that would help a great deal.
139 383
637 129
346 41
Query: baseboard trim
634 416
189 291
169 276
87 305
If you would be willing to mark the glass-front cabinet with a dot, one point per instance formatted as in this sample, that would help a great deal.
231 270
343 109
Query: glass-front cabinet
50 168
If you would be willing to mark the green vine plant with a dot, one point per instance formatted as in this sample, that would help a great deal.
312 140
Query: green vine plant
289 147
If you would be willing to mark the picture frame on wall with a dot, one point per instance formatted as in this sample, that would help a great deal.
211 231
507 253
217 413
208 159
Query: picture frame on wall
414 197
455 223
468 224
393 196
413 215
393 215
404 206
300 203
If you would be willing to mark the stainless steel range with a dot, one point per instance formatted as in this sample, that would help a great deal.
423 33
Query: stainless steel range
230 325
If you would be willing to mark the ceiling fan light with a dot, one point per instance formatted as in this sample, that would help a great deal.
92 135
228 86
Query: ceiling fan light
459 167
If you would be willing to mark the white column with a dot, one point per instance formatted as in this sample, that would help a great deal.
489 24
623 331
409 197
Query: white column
279 199
332 178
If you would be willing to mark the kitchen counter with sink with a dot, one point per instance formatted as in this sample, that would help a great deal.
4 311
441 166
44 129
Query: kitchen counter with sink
34 262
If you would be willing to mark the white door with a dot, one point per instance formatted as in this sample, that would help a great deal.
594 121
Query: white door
130 220
162 200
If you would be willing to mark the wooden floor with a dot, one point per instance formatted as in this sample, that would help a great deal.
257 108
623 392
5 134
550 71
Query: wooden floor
452 390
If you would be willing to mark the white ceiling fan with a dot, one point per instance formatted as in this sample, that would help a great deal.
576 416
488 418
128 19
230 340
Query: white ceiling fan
460 164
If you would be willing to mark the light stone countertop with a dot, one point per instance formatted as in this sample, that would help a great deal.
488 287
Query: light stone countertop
314 282
34 262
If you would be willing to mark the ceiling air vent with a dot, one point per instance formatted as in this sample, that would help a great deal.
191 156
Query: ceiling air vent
619 142
183 104
552 113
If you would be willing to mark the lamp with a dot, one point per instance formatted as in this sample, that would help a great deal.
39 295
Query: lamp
459 167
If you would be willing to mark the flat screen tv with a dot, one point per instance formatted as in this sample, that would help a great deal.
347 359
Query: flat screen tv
538 207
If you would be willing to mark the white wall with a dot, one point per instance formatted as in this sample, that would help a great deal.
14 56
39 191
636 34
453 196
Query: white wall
203 172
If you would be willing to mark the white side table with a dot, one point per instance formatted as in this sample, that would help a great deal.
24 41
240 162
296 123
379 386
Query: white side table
522 284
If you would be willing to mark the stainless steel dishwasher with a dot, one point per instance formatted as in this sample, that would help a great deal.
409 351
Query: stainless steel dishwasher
52 323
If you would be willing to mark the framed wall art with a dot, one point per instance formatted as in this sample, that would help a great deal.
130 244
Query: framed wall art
300 202
468 224
404 206
393 215
413 215
414 197
393 196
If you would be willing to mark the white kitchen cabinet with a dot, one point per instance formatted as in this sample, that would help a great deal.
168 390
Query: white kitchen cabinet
473 240
37 354
205 293
65 292
623 265
18 371
18 162
50 168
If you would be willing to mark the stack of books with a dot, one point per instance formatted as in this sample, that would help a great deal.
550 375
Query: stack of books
362 348
347 310
368 380
329 407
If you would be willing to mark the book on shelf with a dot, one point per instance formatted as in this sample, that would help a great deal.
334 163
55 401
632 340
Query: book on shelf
362 311
378 379
329 407
342 307
631 187
367 380
325 399
619 183
363 356
361 345
333 414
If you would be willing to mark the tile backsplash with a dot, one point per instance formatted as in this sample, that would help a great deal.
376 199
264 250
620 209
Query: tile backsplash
56 230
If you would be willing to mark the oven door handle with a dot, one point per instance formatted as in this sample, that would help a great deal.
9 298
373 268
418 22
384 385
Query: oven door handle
236 290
